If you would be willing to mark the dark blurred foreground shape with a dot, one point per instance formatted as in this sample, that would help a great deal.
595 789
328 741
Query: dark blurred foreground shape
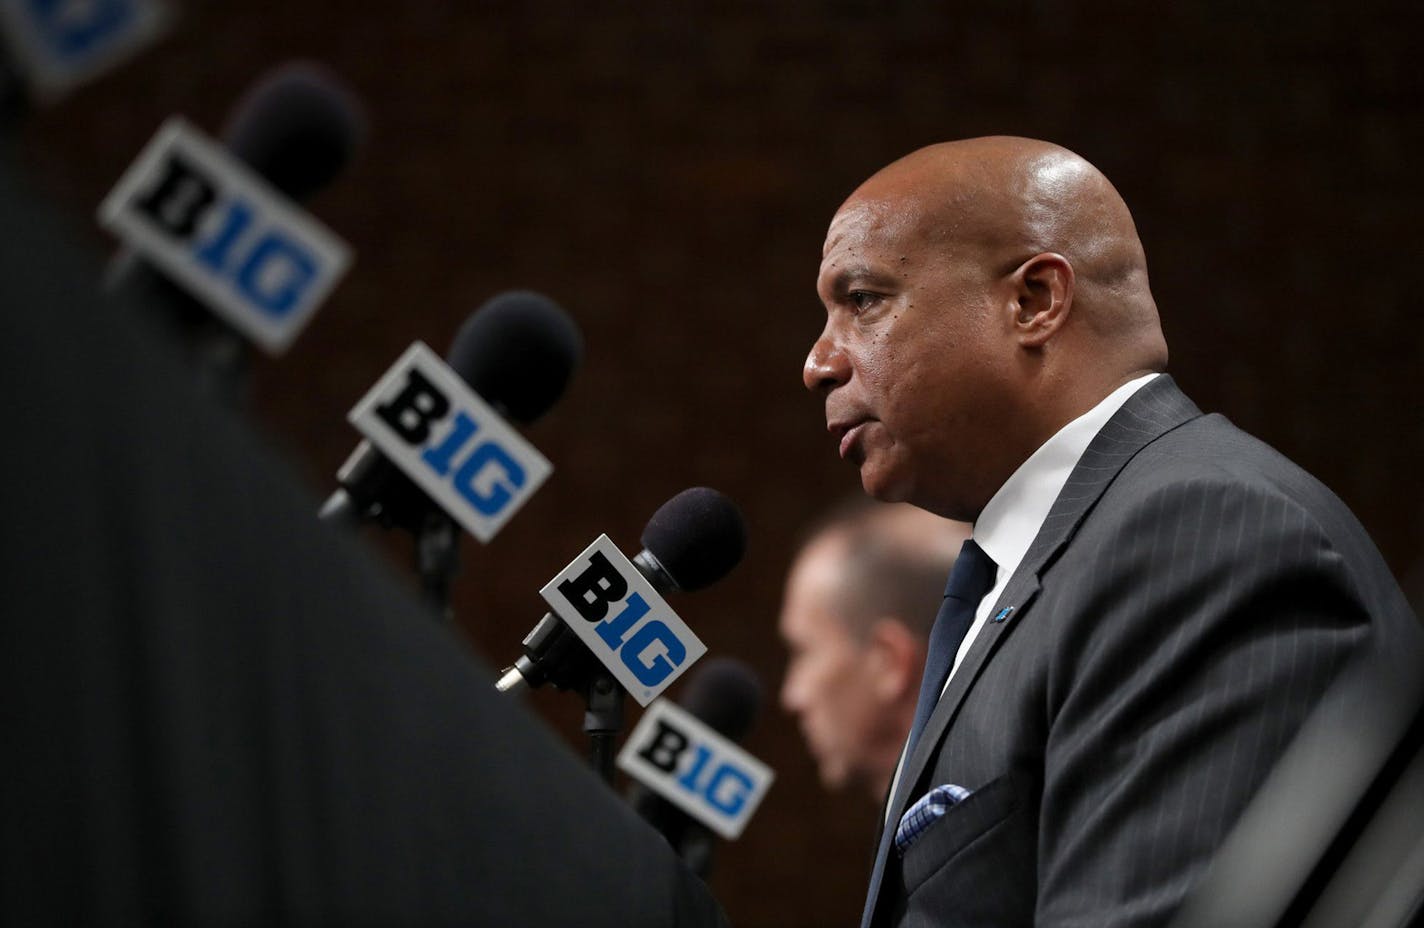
1335 836
217 711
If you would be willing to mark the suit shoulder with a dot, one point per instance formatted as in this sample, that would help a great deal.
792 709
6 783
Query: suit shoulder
1211 452
1209 462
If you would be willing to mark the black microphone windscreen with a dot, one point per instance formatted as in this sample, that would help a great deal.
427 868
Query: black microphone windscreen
518 351
298 127
726 694
697 537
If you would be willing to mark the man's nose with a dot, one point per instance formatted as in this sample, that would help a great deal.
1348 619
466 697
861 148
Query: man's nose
788 691
827 366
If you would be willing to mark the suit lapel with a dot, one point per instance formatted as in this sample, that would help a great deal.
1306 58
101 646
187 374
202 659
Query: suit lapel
1151 412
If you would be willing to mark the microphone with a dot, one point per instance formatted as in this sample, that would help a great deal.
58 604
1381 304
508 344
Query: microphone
692 541
298 128
517 352
725 694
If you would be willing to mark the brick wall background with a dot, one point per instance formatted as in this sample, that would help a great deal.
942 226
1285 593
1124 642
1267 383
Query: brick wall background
666 171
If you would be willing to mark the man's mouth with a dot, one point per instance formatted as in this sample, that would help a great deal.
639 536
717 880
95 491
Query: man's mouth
847 433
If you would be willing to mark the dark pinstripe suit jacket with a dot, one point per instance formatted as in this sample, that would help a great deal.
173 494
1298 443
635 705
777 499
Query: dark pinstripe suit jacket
1190 596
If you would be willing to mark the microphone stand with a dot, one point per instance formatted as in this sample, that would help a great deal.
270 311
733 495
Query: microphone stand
217 354
372 489
14 98
437 559
553 654
603 720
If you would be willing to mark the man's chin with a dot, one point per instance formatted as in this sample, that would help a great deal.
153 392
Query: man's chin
834 780
881 485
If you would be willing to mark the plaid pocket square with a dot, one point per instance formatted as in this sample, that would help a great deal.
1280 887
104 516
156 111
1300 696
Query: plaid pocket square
925 812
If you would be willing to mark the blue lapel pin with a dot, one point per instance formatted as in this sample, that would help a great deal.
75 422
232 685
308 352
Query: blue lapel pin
1003 613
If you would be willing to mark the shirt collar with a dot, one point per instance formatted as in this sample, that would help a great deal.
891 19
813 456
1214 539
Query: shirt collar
1011 520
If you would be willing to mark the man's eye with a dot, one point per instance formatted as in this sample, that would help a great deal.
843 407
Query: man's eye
862 299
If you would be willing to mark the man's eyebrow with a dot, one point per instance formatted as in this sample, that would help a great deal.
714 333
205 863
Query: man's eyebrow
842 278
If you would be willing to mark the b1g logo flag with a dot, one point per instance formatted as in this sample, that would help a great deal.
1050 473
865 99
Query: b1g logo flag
453 444
211 223
677 756
61 43
623 620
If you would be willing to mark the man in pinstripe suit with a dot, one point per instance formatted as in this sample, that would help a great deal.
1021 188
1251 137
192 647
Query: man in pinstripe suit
1163 598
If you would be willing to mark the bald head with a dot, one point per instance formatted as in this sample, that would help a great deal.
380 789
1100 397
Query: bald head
1006 199
980 295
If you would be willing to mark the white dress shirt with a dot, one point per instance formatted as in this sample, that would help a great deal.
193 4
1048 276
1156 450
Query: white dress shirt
1011 520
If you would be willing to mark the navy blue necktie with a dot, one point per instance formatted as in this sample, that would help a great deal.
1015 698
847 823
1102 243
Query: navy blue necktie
972 577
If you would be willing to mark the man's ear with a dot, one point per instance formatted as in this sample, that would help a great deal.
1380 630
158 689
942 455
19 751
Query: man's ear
1043 291
897 658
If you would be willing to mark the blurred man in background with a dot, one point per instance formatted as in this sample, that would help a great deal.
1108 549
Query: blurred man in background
860 600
